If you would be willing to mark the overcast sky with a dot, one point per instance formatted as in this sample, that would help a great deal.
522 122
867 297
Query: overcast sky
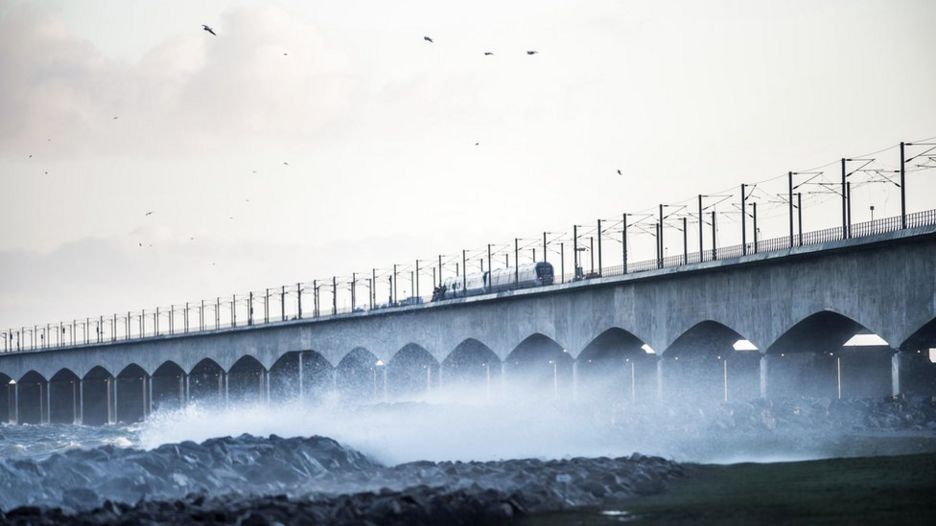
399 148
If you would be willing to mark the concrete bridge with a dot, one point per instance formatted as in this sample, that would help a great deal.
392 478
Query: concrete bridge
758 325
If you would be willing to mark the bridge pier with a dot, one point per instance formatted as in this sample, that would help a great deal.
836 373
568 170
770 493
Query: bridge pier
763 370
913 373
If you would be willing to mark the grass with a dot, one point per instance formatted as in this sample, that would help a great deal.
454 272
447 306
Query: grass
865 490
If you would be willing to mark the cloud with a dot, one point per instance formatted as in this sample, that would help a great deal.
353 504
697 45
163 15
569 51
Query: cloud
190 93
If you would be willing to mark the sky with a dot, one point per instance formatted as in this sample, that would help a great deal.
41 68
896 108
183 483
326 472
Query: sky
307 140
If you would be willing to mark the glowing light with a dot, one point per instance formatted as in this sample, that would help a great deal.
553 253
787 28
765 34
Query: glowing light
744 345
647 349
865 340
932 355
379 363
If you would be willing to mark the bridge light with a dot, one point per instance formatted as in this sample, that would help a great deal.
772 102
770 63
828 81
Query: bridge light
379 363
865 340
744 345
647 349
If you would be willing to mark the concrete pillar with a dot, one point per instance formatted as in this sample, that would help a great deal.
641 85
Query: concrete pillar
149 398
895 374
301 387
227 389
503 377
266 380
80 401
575 380
107 395
16 403
659 378
763 375
75 401
47 387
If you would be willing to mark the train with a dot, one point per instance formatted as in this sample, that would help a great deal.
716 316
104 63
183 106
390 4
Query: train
531 275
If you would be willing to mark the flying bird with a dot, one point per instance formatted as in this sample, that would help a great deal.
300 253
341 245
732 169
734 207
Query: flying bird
208 29
477 143
285 54
29 157
619 172
149 213
532 52
488 53
141 244
427 39
285 163
116 117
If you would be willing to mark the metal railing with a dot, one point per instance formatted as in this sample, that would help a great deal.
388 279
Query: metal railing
318 299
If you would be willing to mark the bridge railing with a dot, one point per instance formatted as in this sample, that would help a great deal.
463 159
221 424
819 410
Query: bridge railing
309 300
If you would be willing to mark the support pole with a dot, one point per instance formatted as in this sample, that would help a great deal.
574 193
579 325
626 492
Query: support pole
624 242
754 213
701 247
844 191
334 295
490 273
544 248
790 203
464 272
848 217
685 240
799 212
903 187
743 221
516 261
660 240
714 246
599 249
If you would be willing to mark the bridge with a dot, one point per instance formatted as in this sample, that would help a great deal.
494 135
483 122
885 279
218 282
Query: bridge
771 318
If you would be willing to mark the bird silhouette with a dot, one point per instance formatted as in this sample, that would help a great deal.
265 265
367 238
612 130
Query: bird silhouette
477 143
140 244
208 29
532 52
285 163
619 172
488 53
116 117
285 54
149 213
427 39
29 156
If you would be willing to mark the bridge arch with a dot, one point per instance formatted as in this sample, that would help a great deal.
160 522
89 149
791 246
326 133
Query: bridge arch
168 382
813 357
7 398
357 377
916 362
132 394
707 363
313 384
539 367
33 398
471 365
206 381
617 365
246 381
97 386
412 371
63 390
